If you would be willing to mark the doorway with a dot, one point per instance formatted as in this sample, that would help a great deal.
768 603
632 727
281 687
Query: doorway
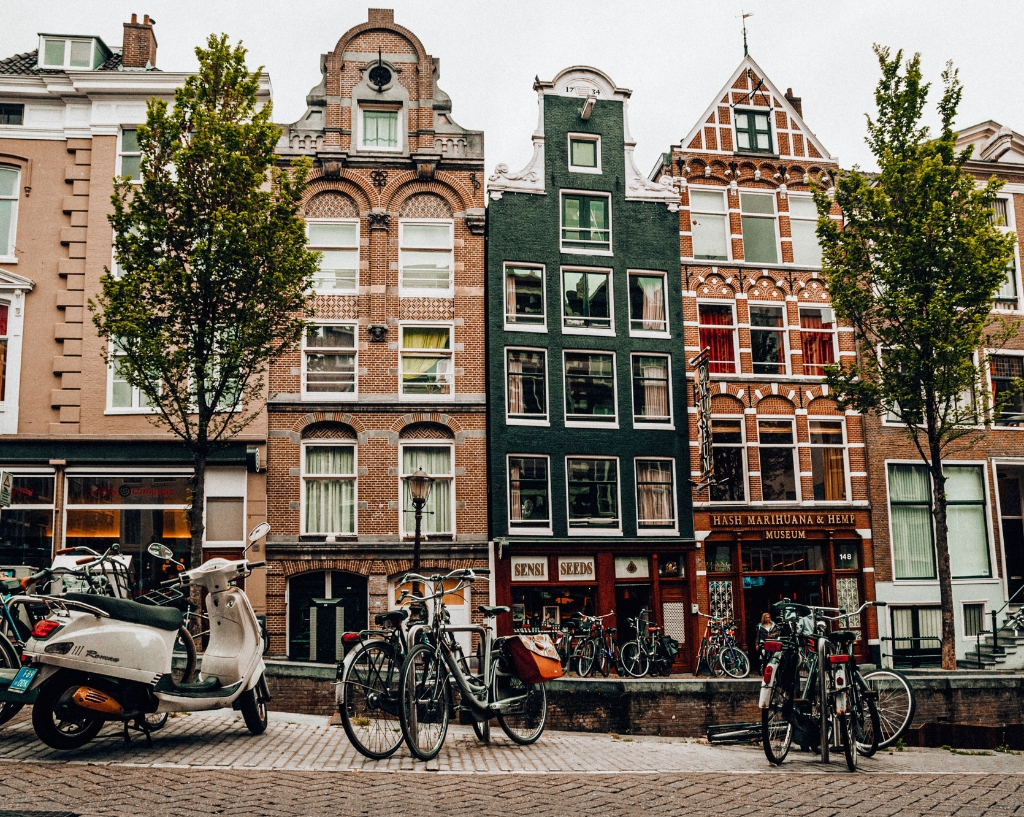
321 608
760 592
630 599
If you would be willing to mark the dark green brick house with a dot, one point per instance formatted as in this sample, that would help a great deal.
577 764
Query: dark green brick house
589 464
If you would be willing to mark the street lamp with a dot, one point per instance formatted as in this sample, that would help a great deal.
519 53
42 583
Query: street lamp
419 488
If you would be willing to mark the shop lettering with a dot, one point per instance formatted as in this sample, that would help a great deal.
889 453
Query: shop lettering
530 570
773 519
576 568
785 534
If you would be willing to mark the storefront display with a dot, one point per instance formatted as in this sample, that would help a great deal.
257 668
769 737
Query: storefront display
26 527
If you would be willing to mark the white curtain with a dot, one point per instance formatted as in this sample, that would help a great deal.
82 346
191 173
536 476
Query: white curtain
437 512
330 503
654 492
968 536
516 498
912 547
516 405
655 388
654 303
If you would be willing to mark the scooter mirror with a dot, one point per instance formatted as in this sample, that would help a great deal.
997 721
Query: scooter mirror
261 530
160 551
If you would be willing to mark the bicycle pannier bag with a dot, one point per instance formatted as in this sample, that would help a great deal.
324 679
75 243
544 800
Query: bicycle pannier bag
670 646
535 658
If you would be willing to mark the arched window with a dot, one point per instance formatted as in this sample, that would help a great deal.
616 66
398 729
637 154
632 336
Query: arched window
329 480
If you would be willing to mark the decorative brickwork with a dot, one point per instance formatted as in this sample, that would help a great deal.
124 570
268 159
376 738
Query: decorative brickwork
331 204
426 205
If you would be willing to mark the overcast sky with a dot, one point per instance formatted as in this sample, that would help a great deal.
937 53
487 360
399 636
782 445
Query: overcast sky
675 55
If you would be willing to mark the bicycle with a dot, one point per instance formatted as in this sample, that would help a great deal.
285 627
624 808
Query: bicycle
649 651
591 650
719 651
435 660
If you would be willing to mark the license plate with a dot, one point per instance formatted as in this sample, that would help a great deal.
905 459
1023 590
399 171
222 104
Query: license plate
23 680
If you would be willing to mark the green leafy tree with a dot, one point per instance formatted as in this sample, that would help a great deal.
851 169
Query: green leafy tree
212 263
914 267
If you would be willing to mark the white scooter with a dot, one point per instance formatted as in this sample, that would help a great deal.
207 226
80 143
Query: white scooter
97 658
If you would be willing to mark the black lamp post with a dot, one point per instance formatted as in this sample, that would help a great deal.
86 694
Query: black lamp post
419 487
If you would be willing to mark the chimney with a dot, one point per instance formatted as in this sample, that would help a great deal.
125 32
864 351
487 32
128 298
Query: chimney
138 50
382 17
795 101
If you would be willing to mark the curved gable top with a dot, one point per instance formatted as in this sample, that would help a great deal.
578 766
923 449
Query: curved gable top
383 19
802 143
992 143
582 81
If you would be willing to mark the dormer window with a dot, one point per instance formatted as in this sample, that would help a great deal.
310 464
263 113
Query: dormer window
378 128
753 132
67 52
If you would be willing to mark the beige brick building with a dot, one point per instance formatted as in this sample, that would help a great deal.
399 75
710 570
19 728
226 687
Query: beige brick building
392 376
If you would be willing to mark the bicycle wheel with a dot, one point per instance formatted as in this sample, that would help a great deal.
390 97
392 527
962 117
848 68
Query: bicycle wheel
866 726
523 711
8 660
847 739
824 704
634 659
734 662
425 701
776 730
585 661
715 660
601 661
895 704
369 699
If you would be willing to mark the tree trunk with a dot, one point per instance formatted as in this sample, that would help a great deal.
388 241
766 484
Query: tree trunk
942 558
195 518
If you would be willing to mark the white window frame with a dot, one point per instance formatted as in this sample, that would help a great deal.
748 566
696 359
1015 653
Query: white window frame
989 354
135 407
651 530
1010 227
586 330
306 350
775 222
792 218
972 639
321 247
121 154
573 423
561 225
743 446
795 448
638 421
414 292
534 530
514 326
303 477
735 327
648 333
817 418
66 65
724 193
407 522
754 109
833 332
360 127
517 420
7 254
427 398
782 330
597 530
584 137
14 299
226 483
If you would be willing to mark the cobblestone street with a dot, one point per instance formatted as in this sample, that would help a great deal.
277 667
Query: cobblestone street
209 764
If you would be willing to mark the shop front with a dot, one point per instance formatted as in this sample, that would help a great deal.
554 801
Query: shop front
753 560
547 588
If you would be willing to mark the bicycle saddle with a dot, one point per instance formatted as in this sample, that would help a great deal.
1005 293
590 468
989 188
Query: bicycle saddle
490 611
842 637
393 618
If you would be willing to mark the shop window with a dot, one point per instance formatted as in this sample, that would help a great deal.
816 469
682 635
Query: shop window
548 608
647 313
717 329
529 492
329 361
225 519
26 527
426 258
379 129
753 131
586 223
587 300
655 494
803 225
329 489
593 492
426 362
778 460
652 404
1007 371
768 339
758 558
817 339
439 511
584 153
337 242
828 460
671 566
590 395
709 224
718 558
9 186
527 385
525 302
760 235
727 451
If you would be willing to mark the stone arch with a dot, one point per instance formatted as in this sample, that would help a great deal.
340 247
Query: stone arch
426 431
458 197
330 204
726 404
425 205
329 430
813 290
423 417
765 288
328 417
773 404
714 286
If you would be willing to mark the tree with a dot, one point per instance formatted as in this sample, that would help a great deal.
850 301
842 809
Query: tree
914 268
212 264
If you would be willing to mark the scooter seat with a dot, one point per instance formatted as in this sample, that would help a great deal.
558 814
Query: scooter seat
163 618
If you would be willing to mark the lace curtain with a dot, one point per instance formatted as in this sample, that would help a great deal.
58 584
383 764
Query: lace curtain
330 503
437 512
654 492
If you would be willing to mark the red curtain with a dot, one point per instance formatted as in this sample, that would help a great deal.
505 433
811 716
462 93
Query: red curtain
818 347
720 341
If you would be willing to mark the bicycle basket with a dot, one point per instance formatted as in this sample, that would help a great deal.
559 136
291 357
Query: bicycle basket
535 658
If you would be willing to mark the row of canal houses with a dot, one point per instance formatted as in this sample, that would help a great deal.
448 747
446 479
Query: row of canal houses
522 336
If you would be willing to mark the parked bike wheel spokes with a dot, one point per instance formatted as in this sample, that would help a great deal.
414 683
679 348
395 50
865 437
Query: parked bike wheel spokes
895 704
776 730
426 701
734 662
866 725
634 660
523 707
369 700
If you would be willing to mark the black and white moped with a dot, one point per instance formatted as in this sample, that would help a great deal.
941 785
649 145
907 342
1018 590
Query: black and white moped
96 658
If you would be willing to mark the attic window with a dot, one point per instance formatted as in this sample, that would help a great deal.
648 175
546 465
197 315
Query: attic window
753 132
60 52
